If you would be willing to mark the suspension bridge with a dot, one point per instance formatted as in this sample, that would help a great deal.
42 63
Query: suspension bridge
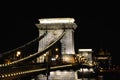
51 32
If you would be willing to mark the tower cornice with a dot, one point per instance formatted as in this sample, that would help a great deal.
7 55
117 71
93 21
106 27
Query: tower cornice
56 26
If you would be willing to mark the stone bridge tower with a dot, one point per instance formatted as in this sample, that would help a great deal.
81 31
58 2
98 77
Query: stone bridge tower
54 28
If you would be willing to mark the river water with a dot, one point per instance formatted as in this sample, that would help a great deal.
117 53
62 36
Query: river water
75 75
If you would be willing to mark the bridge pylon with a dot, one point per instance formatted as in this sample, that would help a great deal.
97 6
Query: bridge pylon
54 27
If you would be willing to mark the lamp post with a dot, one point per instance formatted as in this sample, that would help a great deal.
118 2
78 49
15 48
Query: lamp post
48 64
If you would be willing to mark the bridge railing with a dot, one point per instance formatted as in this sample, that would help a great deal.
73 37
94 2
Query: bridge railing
26 70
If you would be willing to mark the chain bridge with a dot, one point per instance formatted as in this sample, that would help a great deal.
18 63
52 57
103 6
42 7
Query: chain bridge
55 52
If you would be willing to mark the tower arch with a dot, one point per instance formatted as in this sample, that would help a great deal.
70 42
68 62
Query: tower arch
54 27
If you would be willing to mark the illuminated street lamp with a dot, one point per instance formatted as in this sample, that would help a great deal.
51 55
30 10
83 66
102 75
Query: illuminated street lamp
18 53
56 49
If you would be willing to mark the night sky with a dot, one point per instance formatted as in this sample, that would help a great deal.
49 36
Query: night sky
91 32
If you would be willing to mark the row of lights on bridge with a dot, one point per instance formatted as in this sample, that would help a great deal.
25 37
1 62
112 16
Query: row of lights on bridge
18 53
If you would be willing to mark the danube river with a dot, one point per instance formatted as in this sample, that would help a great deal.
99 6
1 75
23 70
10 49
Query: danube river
76 75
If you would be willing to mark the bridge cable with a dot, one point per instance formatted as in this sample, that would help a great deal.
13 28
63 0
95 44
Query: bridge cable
23 46
35 54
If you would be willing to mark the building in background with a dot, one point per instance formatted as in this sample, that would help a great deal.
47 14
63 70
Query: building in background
103 59
85 56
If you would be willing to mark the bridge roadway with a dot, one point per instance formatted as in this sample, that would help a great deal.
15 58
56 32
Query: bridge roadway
13 72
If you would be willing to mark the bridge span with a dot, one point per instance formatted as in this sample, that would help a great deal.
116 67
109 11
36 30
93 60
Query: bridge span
50 34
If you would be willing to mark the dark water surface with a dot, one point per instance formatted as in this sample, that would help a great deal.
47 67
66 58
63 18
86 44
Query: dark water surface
101 76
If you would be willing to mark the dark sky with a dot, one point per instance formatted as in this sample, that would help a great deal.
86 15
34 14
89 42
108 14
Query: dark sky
92 32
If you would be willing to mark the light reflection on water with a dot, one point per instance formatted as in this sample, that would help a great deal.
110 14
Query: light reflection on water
97 77
70 75
69 78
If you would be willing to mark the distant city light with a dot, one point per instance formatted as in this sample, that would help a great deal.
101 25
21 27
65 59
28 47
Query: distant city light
56 20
